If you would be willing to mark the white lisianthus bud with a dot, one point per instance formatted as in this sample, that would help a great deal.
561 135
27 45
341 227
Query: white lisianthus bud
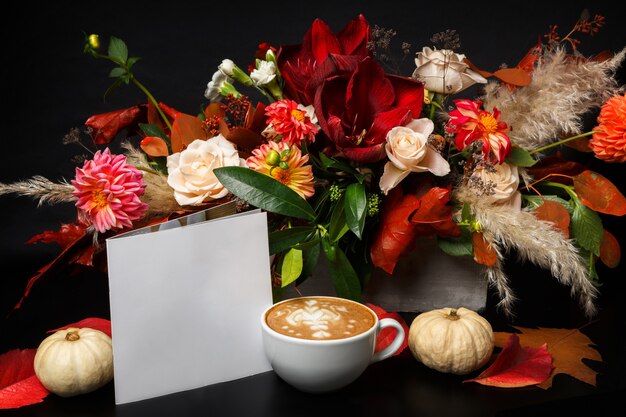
227 67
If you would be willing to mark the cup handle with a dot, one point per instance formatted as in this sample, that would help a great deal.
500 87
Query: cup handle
395 345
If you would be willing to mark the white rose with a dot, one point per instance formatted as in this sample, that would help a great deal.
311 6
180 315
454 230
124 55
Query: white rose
408 151
227 67
264 74
502 182
443 71
216 85
190 172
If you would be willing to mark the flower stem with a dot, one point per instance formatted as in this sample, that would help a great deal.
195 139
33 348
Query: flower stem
153 100
562 141
148 170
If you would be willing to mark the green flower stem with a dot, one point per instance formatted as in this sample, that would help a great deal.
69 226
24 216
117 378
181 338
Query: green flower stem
153 100
562 141
148 170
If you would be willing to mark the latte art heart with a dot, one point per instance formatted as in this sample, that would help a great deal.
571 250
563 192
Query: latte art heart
319 318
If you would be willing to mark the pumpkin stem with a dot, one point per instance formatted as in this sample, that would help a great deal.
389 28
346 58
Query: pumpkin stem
452 315
72 336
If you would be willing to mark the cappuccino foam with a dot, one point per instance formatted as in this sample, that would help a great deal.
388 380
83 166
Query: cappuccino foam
319 318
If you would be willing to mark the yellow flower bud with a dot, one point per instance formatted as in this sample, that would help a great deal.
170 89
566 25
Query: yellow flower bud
94 41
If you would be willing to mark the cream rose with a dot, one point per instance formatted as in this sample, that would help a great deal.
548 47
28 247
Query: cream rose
502 182
408 151
443 71
190 172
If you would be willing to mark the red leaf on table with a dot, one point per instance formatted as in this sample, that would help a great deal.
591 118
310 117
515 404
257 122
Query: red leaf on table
395 233
387 335
19 385
484 253
106 126
517 366
610 252
96 323
555 213
599 194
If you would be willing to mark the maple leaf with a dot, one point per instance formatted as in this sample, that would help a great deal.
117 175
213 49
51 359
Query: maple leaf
19 386
517 366
567 347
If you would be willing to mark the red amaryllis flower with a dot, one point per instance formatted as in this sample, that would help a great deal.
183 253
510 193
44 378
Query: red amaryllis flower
471 123
298 63
609 140
108 191
296 173
357 104
291 120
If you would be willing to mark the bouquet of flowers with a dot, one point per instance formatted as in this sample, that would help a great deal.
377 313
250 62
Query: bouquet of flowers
354 162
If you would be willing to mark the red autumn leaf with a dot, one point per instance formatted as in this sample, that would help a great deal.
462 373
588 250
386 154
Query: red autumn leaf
154 146
19 385
555 213
67 234
185 130
610 252
556 165
395 233
85 256
513 76
581 145
96 323
517 366
434 216
484 253
387 335
599 194
71 252
106 126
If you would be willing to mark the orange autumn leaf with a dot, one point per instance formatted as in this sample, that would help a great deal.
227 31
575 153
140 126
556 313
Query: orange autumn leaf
154 146
185 130
599 194
484 253
610 252
555 213
567 346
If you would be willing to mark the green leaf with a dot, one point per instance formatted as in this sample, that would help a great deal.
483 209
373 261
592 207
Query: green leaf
310 258
458 246
327 162
356 208
345 280
466 212
150 129
308 244
521 158
535 201
118 50
281 240
586 228
264 192
292 267
116 84
117 72
338 226
132 61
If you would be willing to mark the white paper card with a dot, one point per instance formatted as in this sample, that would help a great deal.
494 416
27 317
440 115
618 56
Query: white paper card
186 303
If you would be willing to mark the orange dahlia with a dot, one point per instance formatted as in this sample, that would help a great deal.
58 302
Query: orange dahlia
609 140
285 164
108 191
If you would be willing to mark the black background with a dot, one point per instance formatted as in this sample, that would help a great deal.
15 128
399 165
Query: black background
49 86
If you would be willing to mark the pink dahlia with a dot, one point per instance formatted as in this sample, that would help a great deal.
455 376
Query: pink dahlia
292 121
286 165
471 124
108 191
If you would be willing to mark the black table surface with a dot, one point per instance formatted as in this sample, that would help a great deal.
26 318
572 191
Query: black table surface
49 86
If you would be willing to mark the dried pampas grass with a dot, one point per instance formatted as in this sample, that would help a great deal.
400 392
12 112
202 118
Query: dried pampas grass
536 241
158 195
550 108
41 189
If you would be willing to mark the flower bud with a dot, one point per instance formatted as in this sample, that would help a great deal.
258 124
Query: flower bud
272 158
227 66
94 41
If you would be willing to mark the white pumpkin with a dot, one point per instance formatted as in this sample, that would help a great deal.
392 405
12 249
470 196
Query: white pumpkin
74 361
456 341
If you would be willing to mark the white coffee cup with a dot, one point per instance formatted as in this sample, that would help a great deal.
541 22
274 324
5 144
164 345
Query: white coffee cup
321 365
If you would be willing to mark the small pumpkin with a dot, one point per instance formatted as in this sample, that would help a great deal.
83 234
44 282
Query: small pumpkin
74 361
456 341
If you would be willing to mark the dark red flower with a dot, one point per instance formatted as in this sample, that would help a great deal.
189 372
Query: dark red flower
357 104
105 126
298 63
